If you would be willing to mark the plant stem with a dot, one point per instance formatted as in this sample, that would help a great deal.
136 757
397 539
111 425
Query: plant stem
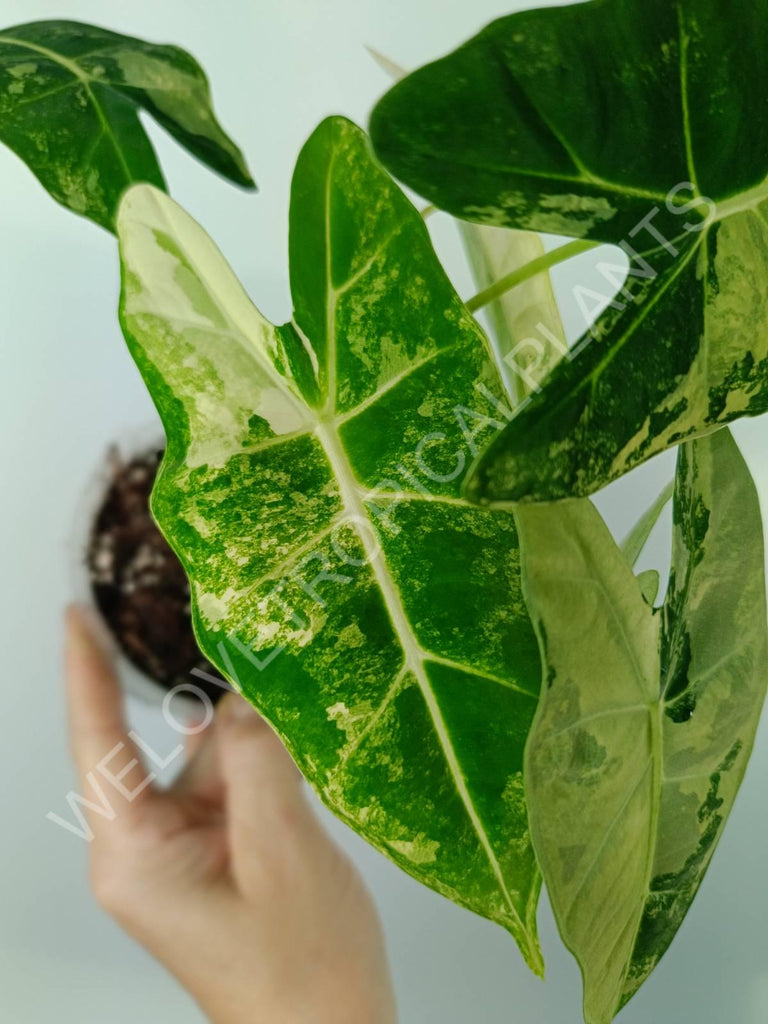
529 270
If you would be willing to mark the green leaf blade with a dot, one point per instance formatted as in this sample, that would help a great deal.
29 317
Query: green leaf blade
645 729
70 96
309 527
598 121
502 131
589 771
715 666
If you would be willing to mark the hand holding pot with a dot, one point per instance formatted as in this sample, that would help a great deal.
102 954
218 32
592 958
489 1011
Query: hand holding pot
228 878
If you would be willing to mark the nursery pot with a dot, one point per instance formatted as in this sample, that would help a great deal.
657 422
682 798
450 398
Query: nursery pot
127 573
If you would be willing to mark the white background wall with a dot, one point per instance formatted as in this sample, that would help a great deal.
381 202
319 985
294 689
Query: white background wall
67 387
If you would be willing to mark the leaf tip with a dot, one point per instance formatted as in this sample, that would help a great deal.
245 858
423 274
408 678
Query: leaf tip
245 178
390 67
535 960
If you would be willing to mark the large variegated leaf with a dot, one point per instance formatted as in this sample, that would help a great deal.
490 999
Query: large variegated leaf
648 718
70 96
311 488
637 122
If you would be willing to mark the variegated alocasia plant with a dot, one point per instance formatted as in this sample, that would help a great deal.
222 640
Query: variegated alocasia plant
648 717
633 122
312 489
392 632
70 96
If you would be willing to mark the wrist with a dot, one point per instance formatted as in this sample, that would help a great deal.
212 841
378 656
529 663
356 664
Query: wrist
234 1004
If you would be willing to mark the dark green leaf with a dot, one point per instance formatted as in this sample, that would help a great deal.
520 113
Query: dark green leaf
70 96
312 490
611 120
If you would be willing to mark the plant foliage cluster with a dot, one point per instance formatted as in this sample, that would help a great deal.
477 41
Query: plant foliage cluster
384 513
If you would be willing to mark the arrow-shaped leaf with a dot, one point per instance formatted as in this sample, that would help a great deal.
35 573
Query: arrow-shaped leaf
648 718
70 96
637 122
311 488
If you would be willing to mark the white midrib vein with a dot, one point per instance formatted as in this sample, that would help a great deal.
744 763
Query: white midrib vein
414 655
331 299
684 40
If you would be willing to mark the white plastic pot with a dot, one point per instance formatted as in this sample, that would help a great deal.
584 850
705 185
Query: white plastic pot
183 701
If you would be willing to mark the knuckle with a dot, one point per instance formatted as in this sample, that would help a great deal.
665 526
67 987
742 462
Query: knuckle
281 859
247 749
246 731
108 885
291 820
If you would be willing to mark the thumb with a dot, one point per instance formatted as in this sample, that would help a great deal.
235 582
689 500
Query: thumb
267 812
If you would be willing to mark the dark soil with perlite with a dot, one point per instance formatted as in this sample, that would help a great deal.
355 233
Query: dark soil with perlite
138 583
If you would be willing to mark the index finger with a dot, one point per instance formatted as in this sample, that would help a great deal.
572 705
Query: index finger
107 760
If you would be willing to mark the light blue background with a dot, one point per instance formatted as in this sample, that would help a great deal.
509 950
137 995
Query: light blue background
67 387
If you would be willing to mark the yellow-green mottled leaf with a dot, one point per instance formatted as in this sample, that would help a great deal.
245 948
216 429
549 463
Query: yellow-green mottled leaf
647 718
634 122
312 489
70 96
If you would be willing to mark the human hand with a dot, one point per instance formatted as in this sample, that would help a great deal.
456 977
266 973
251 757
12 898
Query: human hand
228 878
